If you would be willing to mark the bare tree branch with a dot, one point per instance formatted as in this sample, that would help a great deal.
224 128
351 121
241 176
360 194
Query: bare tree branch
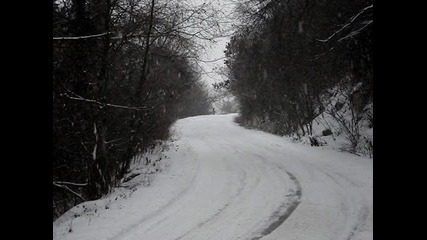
347 24
82 37
67 188
80 98
70 183
356 32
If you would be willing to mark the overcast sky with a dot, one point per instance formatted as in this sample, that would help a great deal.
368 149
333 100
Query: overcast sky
216 51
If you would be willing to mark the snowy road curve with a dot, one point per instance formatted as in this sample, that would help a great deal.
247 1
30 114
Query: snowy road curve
227 182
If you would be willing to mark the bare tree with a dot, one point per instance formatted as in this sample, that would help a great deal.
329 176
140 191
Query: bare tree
121 69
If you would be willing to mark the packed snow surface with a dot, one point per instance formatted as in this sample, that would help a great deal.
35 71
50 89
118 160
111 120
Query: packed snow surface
227 182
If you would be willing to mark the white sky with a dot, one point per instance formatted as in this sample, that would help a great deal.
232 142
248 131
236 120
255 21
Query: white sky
216 51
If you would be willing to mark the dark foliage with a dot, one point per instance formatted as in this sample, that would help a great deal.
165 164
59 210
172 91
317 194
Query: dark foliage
285 54
117 88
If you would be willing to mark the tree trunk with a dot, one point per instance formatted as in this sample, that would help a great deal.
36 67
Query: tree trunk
100 177
134 123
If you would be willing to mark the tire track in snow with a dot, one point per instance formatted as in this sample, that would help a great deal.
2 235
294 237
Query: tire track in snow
126 231
240 187
336 205
291 202
363 215
244 192
241 194
285 209
363 212
219 211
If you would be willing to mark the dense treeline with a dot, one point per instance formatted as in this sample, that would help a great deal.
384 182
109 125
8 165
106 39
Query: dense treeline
286 53
122 74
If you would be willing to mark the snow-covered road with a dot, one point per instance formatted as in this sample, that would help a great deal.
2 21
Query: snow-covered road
227 182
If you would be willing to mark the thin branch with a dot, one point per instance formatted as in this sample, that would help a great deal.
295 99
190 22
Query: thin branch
67 188
81 37
343 38
208 61
346 25
70 183
79 98
355 32
115 140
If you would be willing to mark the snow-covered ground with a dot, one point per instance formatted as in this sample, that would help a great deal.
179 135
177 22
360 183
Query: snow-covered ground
343 123
221 181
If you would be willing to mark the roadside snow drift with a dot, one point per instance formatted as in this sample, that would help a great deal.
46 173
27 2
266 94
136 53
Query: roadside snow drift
226 182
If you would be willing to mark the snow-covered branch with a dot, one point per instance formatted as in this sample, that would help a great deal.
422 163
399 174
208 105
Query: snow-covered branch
356 32
70 183
82 37
80 98
95 132
209 61
347 24
68 189
115 140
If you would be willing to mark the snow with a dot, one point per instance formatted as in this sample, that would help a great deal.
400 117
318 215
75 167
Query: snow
339 139
218 180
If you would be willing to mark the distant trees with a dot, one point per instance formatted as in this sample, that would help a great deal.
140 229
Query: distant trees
224 101
286 53
122 74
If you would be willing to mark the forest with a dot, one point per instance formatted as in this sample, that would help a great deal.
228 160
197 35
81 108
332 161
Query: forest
123 72
288 58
